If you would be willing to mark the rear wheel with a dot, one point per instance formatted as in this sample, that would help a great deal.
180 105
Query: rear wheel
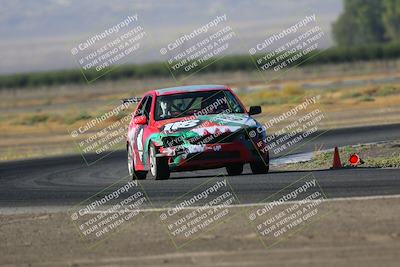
261 166
236 169
140 175
158 165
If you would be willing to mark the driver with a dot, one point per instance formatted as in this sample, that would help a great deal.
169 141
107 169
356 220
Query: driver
165 107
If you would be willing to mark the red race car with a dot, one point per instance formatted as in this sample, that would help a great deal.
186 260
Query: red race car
192 128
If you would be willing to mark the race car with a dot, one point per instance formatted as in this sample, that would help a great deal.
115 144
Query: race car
193 128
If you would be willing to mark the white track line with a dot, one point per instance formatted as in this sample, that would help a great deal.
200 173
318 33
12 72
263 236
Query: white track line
55 209
261 204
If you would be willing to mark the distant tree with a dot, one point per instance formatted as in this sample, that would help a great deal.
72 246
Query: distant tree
345 30
391 19
360 24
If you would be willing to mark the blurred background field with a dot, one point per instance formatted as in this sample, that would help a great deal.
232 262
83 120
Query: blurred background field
36 122
44 95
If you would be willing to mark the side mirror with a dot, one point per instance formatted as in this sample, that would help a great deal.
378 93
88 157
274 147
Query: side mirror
255 110
140 120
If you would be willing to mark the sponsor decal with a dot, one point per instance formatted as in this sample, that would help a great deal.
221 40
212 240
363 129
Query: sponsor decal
231 118
175 126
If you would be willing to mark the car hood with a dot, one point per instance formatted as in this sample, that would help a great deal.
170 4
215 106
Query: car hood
206 124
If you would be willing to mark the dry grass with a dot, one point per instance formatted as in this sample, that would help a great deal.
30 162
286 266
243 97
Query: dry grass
38 121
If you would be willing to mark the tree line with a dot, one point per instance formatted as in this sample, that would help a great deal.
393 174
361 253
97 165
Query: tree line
366 22
228 63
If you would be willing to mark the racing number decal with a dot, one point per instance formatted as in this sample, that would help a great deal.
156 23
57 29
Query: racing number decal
139 143
136 140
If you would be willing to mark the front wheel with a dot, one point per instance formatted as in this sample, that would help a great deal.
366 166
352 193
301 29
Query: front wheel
158 166
235 169
140 175
260 167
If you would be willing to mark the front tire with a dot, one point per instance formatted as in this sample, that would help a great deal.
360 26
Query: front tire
233 170
260 167
159 168
139 175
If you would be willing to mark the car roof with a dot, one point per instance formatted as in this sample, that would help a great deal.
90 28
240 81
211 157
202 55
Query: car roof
189 88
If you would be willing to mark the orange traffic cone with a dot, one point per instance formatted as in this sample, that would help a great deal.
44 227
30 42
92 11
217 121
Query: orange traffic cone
336 159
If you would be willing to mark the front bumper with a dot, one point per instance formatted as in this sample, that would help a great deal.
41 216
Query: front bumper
205 156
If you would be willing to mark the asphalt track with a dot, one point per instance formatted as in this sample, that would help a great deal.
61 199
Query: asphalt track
66 181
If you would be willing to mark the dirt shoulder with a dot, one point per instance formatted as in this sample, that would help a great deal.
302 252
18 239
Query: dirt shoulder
354 233
376 155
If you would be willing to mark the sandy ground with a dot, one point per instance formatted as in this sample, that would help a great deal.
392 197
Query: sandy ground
353 233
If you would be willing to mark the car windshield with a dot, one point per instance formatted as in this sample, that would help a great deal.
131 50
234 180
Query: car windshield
196 103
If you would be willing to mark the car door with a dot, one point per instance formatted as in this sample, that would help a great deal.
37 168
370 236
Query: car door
136 133
145 132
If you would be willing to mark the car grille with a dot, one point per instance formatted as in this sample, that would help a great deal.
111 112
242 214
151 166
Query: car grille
242 134
214 156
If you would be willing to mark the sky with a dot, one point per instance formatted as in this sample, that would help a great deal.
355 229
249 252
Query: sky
39 35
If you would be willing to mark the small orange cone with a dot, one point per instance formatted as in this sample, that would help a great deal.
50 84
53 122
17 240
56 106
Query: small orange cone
336 159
